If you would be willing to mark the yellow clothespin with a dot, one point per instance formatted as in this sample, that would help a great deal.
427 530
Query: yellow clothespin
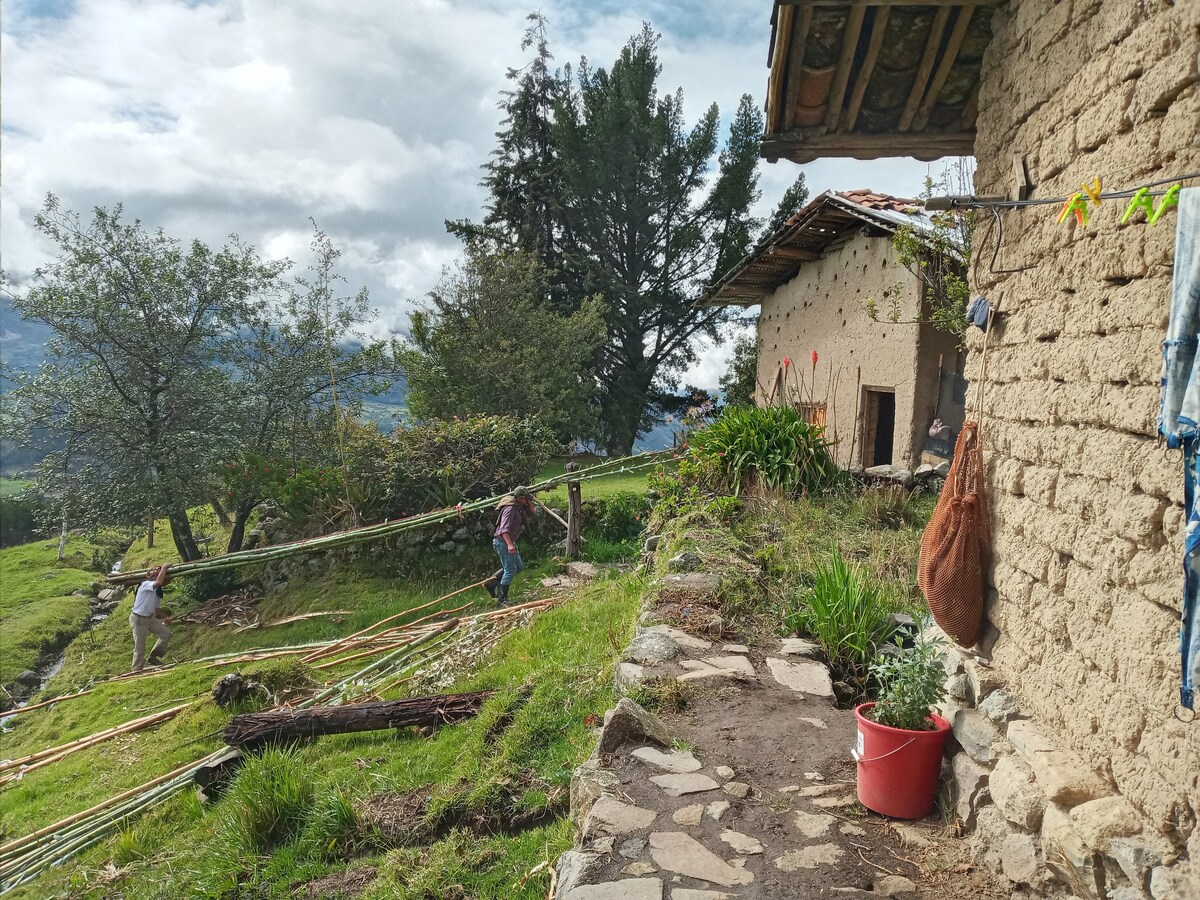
1140 200
1170 198
1093 192
1076 204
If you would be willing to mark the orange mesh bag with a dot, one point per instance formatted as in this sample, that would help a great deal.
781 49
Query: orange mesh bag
957 543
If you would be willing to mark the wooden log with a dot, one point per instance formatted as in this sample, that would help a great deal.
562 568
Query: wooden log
251 730
574 515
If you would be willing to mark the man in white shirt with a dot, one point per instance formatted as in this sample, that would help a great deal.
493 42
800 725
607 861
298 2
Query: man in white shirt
148 618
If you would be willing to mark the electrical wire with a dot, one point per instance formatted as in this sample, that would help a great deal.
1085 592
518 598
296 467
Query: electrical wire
980 203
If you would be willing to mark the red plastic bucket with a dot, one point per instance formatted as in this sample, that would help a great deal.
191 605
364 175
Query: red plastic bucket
897 769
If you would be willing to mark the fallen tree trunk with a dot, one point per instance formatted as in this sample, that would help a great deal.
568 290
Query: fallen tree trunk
251 730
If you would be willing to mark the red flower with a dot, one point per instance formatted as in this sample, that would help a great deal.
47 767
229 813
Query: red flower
814 357
787 361
637 518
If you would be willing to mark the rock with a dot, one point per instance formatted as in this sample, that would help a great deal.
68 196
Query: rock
678 893
984 679
448 546
632 848
81 593
991 829
724 772
610 817
849 828
687 561
735 648
738 789
28 678
1000 706
742 843
911 835
1068 857
639 868
1027 739
975 734
602 845
626 677
628 722
692 582
573 868
462 534
1065 778
1016 793
677 852
894 886
582 571
1099 821
809 857
942 469
959 687
650 544
835 802
679 785
819 790
802 677
843 692
1172 884
688 815
799 647
815 723
652 648
814 826
1018 858
923 472
588 782
109 594
1137 856
682 638
673 761
893 474
971 783
625 889
716 809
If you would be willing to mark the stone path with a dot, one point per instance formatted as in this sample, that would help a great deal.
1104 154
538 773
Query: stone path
756 798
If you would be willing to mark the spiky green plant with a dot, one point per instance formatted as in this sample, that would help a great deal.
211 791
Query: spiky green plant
268 802
911 685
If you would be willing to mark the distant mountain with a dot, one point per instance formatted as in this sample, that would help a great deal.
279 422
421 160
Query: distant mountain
22 344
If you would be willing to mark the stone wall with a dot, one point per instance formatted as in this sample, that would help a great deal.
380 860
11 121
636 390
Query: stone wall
1087 508
823 309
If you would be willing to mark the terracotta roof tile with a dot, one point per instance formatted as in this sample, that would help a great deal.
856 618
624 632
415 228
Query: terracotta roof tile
868 198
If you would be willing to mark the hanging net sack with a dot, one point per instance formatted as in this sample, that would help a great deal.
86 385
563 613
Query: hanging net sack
956 544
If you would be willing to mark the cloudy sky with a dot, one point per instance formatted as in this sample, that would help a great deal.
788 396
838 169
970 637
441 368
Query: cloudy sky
212 117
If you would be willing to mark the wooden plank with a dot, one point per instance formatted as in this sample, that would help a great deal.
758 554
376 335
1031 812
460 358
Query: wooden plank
921 79
795 69
574 516
793 253
870 146
783 38
943 71
841 76
878 27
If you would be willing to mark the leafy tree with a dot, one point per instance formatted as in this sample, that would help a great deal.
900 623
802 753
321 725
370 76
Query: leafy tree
648 225
741 379
164 363
790 203
488 343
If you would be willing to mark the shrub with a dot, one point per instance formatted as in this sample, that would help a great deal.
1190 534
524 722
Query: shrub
268 802
333 830
911 685
18 520
889 507
848 613
769 448
617 518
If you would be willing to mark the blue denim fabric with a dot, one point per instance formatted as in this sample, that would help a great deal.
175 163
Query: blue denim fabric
510 562
1179 413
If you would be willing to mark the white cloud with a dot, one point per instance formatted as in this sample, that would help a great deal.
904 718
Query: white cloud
373 117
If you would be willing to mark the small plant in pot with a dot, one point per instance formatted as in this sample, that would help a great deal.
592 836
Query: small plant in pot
900 738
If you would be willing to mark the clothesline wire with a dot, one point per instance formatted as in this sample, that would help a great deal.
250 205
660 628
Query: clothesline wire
976 203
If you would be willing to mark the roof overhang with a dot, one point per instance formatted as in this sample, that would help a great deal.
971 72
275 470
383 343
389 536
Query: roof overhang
872 78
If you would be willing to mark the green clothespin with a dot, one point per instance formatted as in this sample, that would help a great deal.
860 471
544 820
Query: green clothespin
1170 198
1076 204
1140 200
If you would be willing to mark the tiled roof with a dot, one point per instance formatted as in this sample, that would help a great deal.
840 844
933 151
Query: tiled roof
803 238
872 78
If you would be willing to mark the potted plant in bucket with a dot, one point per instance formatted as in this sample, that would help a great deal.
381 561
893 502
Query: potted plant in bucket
900 738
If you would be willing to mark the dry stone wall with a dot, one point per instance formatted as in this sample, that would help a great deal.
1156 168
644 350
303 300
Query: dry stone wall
1087 507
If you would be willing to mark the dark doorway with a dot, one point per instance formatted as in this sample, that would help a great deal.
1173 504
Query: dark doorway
879 427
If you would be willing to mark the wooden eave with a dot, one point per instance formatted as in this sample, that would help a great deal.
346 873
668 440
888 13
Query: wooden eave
873 78
777 259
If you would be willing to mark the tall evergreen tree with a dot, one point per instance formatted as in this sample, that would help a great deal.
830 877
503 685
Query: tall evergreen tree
647 231
790 203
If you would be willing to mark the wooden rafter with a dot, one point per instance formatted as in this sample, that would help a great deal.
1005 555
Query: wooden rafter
803 149
943 71
783 37
842 76
924 68
794 253
878 28
795 68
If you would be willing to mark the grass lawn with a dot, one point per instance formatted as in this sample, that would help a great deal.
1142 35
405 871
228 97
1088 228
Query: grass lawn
11 486
617 483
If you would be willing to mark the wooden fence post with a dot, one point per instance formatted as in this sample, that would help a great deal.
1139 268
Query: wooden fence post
574 515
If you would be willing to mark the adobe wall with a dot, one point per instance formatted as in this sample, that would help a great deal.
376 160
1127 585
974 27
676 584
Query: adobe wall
1087 509
822 309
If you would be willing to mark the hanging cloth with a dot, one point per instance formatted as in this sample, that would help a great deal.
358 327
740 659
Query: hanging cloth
957 543
1178 416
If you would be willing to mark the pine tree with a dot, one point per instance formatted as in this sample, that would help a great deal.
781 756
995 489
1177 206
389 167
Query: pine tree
792 202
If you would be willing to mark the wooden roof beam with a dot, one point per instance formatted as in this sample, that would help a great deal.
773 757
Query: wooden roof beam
921 79
878 27
943 71
795 69
793 253
842 73
783 37
803 149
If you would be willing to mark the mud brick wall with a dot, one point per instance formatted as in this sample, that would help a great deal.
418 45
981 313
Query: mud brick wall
1086 583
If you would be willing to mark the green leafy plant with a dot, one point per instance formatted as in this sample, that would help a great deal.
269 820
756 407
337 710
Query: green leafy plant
911 685
770 448
269 802
847 611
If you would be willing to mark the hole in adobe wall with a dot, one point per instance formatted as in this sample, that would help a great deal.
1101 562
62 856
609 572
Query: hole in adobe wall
1118 280
1119 382
1047 338
843 323
1069 290
1104 302
1059 380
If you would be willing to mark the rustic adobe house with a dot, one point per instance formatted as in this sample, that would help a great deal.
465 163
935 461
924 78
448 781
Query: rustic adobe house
1079 772
877 388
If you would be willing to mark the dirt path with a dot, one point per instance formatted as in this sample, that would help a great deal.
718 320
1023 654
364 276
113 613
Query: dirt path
758 798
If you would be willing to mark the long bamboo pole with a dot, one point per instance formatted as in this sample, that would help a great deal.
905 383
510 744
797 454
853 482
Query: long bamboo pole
44 703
